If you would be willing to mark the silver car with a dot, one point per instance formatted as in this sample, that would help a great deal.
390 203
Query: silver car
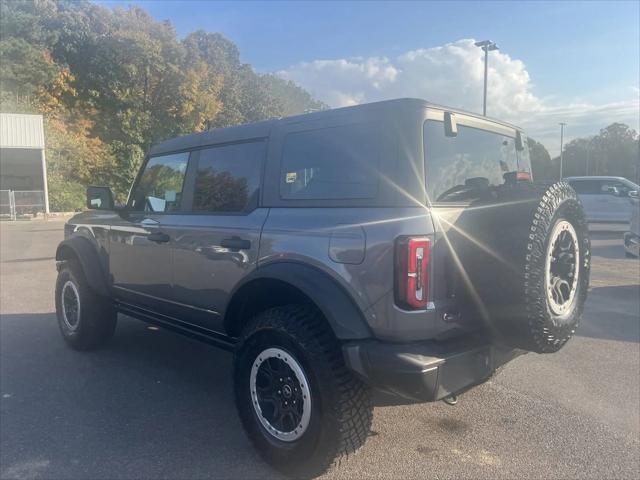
632 237
605 199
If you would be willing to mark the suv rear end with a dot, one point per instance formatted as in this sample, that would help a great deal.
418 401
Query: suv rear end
359 193
421 214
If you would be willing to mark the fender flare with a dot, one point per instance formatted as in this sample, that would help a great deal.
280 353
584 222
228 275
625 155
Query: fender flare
87 255
337 306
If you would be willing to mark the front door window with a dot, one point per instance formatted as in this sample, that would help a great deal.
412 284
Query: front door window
161 184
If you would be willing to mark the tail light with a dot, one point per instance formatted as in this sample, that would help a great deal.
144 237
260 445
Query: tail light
411 272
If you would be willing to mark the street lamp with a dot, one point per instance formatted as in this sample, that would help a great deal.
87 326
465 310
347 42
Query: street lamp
487 46
562 124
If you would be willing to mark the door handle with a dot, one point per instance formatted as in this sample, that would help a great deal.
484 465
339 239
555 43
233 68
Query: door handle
158 237
235 243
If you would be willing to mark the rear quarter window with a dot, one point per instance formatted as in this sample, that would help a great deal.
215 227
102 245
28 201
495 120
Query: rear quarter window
331 163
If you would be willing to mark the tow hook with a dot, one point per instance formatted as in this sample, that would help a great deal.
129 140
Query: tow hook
450 400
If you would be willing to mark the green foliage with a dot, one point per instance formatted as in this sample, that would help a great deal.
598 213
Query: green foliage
614 151
25 67
65 196
295 100
113 82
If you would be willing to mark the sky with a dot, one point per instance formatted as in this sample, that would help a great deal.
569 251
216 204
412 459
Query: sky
573 62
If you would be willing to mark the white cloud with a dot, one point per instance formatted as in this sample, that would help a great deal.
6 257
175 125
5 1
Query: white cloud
452 75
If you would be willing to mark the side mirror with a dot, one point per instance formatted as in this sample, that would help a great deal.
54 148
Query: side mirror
450 125
520 141
633 194
100 198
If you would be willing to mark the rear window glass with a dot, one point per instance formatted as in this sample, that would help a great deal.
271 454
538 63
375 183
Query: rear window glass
331 163
466 167
228 177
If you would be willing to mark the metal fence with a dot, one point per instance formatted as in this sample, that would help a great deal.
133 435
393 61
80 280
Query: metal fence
7 205
21 203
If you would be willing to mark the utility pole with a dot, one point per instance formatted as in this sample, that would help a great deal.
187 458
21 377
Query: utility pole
588 155
562 124
487 46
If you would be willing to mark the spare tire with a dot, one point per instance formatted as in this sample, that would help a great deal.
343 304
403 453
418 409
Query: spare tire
556 269
529 279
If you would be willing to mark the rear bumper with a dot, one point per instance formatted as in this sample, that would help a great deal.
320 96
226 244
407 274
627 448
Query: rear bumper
426 371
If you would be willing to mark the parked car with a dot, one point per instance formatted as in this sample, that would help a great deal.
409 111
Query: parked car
396 246
632 237
605 199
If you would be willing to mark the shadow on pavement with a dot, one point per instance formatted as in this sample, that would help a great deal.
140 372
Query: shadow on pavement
153 403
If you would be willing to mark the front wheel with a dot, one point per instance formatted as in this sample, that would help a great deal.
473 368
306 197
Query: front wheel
301 407
86 320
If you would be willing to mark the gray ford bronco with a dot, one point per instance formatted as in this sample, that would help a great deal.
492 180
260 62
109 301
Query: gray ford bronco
397 247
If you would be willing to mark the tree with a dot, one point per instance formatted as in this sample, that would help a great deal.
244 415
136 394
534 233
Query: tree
294 99
614 151
245 95
112 82
542 167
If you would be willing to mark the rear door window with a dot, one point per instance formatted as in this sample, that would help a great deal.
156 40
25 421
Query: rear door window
468 166
228 178
587 187
331 163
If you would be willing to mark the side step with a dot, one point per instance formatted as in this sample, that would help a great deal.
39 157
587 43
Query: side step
207 336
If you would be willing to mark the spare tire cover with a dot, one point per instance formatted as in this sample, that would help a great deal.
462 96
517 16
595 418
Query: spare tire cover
526 264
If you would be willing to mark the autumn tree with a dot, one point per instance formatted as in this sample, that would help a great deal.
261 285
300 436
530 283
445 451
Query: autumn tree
112 82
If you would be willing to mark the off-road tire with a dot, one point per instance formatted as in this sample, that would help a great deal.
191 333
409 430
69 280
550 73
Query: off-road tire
521 310
96 321
341 405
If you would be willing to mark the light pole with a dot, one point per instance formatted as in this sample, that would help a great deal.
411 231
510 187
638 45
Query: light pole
487 46
562 124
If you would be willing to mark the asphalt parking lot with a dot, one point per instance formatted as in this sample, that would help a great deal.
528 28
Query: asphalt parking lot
156 405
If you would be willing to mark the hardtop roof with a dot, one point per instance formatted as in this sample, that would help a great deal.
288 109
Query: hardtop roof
262 129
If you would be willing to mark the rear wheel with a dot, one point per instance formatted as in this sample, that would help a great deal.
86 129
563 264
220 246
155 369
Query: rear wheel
86 320
301 407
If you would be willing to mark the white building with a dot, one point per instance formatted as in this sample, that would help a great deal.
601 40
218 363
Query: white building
23 169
